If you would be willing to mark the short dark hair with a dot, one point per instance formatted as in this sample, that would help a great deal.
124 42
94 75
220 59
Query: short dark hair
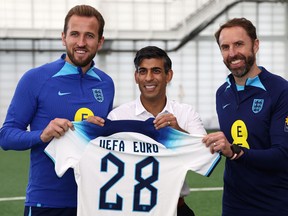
152 52
86 11
241 22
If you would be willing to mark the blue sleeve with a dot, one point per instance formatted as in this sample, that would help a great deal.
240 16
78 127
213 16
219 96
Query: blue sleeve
14 134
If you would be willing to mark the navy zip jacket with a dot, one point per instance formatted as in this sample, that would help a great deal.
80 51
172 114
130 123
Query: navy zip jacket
255 116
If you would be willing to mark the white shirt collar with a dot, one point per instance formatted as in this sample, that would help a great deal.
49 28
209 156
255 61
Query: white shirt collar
141 110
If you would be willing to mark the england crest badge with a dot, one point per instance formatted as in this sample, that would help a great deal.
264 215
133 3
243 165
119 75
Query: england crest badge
257 105
98 95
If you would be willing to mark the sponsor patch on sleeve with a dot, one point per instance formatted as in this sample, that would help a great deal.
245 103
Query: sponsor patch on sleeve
286 124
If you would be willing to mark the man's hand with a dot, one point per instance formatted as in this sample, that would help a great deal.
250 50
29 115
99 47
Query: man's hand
96 120
218 142
56 128
167 119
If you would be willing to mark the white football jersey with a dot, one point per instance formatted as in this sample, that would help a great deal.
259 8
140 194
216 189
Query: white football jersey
129 173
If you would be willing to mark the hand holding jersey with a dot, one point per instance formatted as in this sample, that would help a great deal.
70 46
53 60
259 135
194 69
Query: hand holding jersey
56 128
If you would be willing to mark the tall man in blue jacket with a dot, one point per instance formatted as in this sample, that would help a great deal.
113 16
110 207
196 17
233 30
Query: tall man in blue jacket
47 99
253 116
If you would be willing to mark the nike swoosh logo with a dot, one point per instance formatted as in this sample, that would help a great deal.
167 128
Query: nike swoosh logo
63 93
225 105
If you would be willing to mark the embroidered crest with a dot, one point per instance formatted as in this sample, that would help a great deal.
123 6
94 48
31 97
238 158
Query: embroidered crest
286 124
257 105
98 95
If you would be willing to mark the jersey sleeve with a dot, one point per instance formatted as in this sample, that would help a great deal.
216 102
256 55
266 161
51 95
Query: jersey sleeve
192 151
66 151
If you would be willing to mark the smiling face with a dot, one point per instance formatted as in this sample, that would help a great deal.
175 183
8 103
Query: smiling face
238 51
82 41
152 80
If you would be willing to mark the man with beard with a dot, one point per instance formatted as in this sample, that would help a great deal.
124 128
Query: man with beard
47 99
253 117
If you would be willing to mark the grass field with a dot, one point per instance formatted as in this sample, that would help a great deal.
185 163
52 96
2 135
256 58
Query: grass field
14 174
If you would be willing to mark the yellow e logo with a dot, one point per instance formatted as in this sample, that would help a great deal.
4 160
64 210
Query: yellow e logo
240 134
83 114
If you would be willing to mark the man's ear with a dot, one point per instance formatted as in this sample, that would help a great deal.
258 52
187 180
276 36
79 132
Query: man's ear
100 44
256 46
136 77
169 76
63 37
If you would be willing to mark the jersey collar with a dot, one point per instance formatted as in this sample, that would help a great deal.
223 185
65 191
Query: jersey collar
255 81
69 69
